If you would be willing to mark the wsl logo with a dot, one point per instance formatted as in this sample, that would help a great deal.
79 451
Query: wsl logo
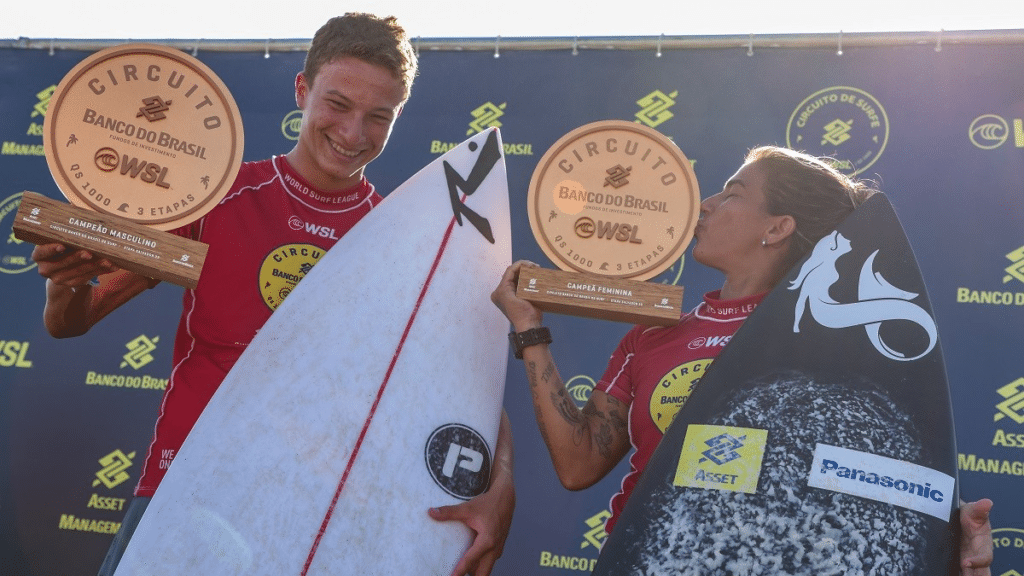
458 460
585 228
15 254
579 387
879 301
990 131
109 160
291 125
296 223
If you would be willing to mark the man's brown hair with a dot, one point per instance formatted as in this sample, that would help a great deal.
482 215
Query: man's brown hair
377 40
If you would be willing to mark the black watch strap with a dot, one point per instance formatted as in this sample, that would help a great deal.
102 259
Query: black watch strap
526 338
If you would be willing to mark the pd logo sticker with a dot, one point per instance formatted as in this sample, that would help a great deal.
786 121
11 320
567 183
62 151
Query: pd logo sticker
459 460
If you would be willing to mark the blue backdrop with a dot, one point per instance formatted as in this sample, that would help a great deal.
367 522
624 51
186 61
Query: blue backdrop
940 131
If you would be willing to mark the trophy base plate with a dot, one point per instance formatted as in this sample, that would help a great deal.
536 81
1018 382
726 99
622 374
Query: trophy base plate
130 245
601 297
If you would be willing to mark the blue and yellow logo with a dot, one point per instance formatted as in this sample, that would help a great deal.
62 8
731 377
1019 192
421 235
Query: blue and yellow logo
721 458
11 148
115 469
1012 406
1016 267
140 351
655 108
485 116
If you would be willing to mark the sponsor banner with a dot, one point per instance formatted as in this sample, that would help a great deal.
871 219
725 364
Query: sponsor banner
942 132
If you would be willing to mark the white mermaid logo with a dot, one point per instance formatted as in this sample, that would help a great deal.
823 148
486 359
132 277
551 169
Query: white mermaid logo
878 302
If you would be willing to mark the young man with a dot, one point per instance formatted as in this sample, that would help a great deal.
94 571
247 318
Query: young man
357 76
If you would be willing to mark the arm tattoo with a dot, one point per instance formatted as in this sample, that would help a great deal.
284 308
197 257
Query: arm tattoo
548 372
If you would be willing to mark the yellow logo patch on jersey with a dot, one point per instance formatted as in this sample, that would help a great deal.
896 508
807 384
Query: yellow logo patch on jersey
283 268
674 389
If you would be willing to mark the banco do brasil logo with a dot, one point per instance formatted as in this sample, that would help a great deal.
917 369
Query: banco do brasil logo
843 123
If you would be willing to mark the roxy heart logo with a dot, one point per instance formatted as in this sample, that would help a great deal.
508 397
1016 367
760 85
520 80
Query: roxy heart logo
879 301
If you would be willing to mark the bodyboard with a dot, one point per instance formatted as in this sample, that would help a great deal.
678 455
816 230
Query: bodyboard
373 392
820 441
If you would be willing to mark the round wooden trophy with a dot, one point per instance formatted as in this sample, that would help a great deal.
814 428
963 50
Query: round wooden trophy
612 204
140 138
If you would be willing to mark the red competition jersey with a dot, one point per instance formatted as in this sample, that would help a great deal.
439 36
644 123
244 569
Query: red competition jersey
654 369
263 237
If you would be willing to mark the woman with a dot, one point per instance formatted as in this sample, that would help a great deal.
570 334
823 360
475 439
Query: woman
769 214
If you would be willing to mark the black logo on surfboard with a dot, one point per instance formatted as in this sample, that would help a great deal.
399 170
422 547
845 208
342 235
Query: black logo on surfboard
459 460
489 156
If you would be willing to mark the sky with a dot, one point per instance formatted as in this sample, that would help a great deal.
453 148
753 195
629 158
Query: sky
265 19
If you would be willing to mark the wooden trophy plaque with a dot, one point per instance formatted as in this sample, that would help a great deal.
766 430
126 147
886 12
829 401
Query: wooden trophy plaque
612 204
140 139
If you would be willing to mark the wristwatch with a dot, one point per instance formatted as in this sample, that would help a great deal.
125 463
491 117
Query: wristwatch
526 338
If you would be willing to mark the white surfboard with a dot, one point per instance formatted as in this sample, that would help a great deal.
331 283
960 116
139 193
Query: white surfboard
372 393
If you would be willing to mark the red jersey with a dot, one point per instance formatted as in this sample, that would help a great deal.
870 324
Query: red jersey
263 237
654 369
